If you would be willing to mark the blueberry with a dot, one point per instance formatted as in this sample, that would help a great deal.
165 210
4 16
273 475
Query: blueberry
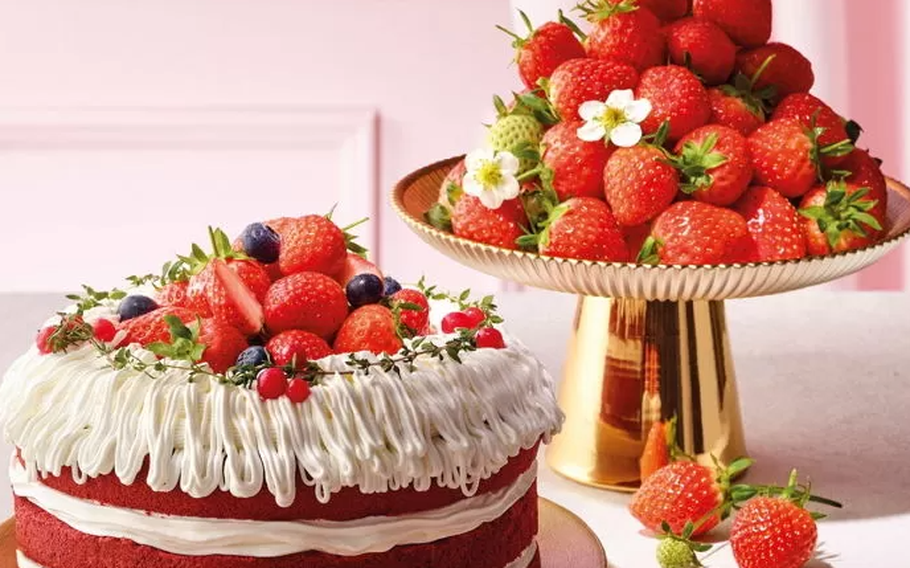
364 289
261 242
391 286
135 306
253 356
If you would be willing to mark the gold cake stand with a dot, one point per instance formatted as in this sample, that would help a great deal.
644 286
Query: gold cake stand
649 342
564 540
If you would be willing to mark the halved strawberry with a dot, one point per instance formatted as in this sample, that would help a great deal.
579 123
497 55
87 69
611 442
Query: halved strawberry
232 302
151 327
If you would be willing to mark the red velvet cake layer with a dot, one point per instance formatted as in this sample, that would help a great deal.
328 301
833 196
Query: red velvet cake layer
53 544
347 504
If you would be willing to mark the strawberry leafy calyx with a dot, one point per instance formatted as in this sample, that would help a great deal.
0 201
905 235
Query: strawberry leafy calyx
818 152
198 259
350 239
795 492
843 213
439 216
650 252
518 42
599 10
679 550
184 343
545 209
758 101
532 103
695 162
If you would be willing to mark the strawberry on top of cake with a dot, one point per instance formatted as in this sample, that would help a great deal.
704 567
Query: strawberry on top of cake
276 401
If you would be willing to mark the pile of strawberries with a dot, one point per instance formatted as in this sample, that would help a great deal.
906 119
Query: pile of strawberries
670 132
680 499
290 291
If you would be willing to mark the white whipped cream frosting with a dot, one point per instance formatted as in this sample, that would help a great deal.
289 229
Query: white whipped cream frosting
195 536
446 423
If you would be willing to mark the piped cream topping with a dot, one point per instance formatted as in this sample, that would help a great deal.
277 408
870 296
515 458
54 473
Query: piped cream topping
445 423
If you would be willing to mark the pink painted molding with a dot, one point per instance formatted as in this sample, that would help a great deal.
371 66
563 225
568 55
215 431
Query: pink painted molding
351 131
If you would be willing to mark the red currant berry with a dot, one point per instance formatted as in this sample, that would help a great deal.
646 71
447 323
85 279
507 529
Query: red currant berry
104 330
271 383
298 390
489 338
476 315
43 340
456 320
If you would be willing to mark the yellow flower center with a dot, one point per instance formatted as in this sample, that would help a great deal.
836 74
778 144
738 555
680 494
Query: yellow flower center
612 117
488 175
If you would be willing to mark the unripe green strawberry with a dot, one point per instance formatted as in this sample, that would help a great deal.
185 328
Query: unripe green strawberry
518 134
673 553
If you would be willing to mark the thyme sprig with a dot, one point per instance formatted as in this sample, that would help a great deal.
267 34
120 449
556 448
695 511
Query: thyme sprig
486 304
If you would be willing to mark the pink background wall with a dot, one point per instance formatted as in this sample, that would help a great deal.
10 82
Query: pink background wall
125 128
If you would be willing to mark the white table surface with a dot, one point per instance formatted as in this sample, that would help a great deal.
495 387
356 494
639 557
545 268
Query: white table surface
824 379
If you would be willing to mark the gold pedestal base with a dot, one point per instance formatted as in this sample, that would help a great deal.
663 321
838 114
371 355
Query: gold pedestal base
632 363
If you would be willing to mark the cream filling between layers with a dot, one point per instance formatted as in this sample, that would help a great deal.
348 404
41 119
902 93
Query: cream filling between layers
197 536
442 423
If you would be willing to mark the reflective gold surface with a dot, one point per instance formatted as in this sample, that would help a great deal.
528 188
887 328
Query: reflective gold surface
658 348
631 363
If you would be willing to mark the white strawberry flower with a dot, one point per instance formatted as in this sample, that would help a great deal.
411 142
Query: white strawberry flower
616 120
491 177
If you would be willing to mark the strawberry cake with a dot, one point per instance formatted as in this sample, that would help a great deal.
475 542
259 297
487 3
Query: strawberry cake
276 402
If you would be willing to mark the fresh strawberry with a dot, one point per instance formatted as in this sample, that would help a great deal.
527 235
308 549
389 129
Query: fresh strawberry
656 454
543 50
729 109
498 227
774 227
840 217
580 80
577 165
583 228
666 10
414 319
691 232
355 264
773 532
297 346
715 164
639 184
866 171
786 156
312 243
686 492
811 112
676 96
624 31
747 22
517 134
370 328
223 343
174 294
703 47
788 71
151 327
307 300
231 301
